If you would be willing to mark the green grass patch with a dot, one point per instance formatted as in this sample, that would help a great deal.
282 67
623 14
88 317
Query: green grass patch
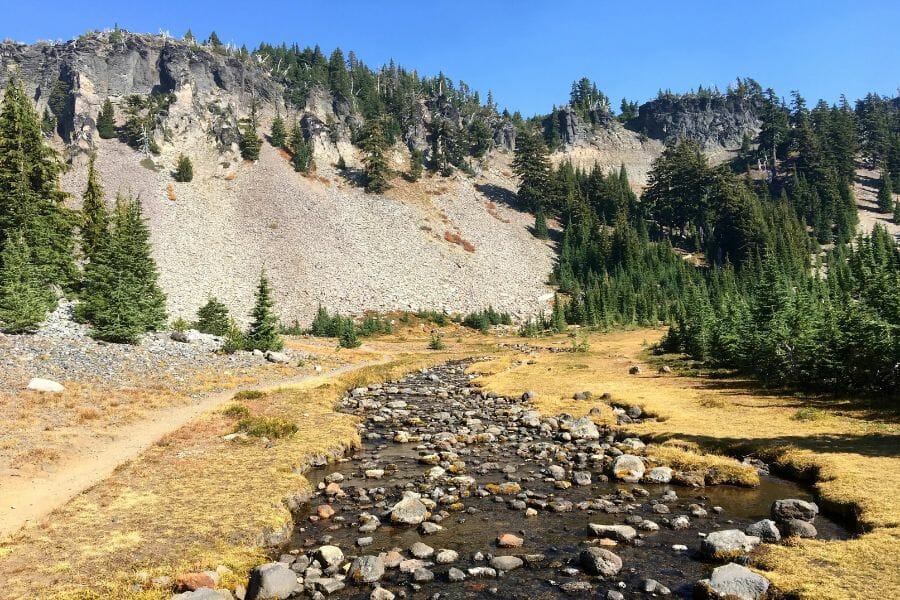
249 395
270 427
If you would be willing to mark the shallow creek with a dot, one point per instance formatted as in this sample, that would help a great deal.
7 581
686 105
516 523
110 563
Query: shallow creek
460 443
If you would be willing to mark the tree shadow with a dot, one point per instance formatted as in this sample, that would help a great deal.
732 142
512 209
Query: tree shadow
870 444
499 195
353 176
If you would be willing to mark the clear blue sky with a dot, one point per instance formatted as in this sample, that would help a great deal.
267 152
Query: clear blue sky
529 52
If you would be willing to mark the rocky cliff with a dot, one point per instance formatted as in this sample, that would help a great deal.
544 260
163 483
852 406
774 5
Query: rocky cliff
714 121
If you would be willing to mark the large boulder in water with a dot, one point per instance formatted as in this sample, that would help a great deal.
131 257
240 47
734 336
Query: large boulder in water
792 508
410 511
600 561
272 580
734 582
727 544
628 468
584 429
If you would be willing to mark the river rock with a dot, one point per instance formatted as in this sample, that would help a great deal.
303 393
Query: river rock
367 569
599 561
422 575
652 586
204 594
628 468
420 550
381 593
455 575
659 475
410 511
446 557
727 544
329 555
584 429
620 533
270 581
792 508
733 581
506 563
799 528
765 530
508 540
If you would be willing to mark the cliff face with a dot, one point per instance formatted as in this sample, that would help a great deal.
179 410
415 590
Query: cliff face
714 122
74 78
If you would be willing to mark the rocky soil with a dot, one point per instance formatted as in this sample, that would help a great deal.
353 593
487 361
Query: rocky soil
460 494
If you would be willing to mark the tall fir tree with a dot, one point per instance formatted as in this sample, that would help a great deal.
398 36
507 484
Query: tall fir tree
106 121
122 299
94 216
24 300
540 225
885 192
31 201
184 169
532 165
374 145
301 152
263 332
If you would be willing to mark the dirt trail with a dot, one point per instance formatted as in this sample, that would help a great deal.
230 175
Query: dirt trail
27 500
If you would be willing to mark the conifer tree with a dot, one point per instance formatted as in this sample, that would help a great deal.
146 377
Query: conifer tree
24 301
263 332
94 216
540 225
122 299
301 152
48 123
189 36
558 319
349 337
897 213
278 135
532 166
106 121
415 165
375 159
184 169
250 143
214 41
885 192
212 318
31 201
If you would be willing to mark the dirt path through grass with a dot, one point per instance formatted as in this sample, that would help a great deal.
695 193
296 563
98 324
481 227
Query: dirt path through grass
26 500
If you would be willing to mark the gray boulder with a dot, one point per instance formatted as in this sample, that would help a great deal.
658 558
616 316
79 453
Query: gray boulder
659 475
620 533
600 561
330 555
506 563
272 580
584 429
409 511
792 508
204 594
367 569
734 582
727 544
764 530
38 384
799 528
628 468
277 357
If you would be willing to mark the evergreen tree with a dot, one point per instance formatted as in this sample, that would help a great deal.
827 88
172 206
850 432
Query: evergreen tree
558 318
122 299
263 332
349 338
106 121
94 216
189 36
532 166
24 301
897 213
48 123
214 42
278 135
301 151
31 201
250 143
415 165
184 169
374 145
540 225
212 318
885 192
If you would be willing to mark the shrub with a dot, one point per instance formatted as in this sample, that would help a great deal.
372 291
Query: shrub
436 343
234 339
249 395
348 338
236 410
180 324
270 427
184 169
483 320
212 318
441 319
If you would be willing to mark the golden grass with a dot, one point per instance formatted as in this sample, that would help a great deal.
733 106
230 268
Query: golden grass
194 501
850 457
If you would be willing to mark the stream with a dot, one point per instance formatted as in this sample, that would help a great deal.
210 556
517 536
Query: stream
485 466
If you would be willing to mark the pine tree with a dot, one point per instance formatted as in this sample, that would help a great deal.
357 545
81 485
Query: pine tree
377 170
48 123
106 121
558 319
212 318
897 213
885 192
540 225
250 143
24 301
349 337
532 166
189 36
94 216
415 165
31 200
301 152
278 135
122 299
263 333
214 41
184 169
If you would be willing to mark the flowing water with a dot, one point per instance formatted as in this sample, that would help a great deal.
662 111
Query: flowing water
439 401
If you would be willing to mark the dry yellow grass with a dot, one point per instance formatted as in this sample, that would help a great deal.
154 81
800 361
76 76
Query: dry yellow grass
195 501
850 456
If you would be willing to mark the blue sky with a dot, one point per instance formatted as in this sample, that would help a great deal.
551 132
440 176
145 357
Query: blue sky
529 52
